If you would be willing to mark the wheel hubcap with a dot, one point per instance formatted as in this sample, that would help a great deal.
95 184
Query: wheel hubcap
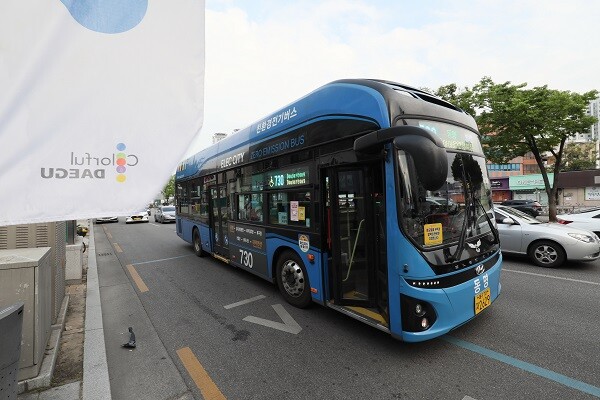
546 254
292 278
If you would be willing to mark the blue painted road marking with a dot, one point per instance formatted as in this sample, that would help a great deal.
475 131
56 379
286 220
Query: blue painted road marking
534 369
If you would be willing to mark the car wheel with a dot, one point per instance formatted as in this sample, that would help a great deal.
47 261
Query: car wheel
197 243
292 280
545 253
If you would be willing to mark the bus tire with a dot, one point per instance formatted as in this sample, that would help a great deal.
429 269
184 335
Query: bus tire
546 253
197 243
292 280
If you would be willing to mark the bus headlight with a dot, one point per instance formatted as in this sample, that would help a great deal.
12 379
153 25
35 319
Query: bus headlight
417 315
419 310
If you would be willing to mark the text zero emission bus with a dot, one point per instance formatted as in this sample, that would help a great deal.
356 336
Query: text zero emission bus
366 196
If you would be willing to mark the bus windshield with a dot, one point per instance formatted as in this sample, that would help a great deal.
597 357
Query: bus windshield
461 207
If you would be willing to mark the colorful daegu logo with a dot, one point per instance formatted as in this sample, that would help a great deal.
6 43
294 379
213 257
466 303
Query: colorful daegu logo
107 16
93 166
121 163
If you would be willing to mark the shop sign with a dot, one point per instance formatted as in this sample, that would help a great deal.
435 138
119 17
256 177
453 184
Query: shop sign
533 181
499 183
592 193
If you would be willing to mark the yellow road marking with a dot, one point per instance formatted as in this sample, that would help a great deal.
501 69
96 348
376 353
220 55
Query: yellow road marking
209 390
108 234
137 279
118 248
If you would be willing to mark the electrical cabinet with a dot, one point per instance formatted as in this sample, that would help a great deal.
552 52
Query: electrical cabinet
25 276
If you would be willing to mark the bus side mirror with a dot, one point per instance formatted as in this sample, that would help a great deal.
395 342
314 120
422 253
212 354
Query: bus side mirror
427 150
428 154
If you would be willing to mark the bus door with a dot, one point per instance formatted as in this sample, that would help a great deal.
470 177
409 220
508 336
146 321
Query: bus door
219 216
356 233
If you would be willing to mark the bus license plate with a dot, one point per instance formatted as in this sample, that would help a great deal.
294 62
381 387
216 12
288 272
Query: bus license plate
482 300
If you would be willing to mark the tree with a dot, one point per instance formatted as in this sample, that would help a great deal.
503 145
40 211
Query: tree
514 120
579 156
169 189
462 98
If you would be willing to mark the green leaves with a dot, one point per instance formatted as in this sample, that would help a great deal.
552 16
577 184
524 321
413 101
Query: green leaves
514 120
169 189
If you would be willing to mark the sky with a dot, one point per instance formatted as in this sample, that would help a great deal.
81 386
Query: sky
264 54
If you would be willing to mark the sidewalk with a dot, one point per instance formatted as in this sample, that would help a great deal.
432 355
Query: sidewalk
94 383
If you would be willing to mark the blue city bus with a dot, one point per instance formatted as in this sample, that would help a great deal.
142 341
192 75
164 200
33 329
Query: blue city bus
366 196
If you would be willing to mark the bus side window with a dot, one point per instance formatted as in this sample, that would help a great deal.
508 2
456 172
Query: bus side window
250 207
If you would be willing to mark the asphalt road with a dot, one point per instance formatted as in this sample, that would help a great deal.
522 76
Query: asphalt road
206 329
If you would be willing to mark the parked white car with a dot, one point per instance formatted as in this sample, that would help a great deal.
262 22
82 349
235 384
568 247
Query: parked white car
139 216
546 244
588 220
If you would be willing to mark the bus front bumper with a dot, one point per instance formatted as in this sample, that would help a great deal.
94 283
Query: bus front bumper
453 306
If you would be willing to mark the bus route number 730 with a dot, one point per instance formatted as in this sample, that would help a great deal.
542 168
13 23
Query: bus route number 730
246 258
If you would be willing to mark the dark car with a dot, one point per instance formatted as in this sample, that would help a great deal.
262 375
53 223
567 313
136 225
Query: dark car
530 207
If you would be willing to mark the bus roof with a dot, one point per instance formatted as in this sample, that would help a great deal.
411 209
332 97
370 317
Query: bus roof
378 102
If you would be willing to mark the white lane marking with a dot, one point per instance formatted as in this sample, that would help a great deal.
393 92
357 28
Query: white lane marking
468 398
289 325
162 259
241 303
550 276
163 225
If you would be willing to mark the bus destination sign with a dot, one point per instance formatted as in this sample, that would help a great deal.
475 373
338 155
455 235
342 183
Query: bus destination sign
285 178
453 137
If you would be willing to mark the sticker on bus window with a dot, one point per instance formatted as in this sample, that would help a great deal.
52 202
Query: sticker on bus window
294 211
433 234
301 214
303 242
282 218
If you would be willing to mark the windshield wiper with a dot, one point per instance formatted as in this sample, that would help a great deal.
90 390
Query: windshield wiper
489 221
461 240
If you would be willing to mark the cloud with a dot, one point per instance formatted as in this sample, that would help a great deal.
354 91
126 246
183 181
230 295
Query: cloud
262 55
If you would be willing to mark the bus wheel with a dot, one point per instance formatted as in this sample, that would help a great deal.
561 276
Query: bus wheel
292 280
197 243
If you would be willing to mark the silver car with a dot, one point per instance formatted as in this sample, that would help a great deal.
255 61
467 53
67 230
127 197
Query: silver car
164 214
546 244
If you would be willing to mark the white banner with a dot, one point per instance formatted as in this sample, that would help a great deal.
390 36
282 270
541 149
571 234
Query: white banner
99 101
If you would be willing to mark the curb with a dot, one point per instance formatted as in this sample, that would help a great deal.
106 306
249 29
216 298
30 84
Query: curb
44 377
96 383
